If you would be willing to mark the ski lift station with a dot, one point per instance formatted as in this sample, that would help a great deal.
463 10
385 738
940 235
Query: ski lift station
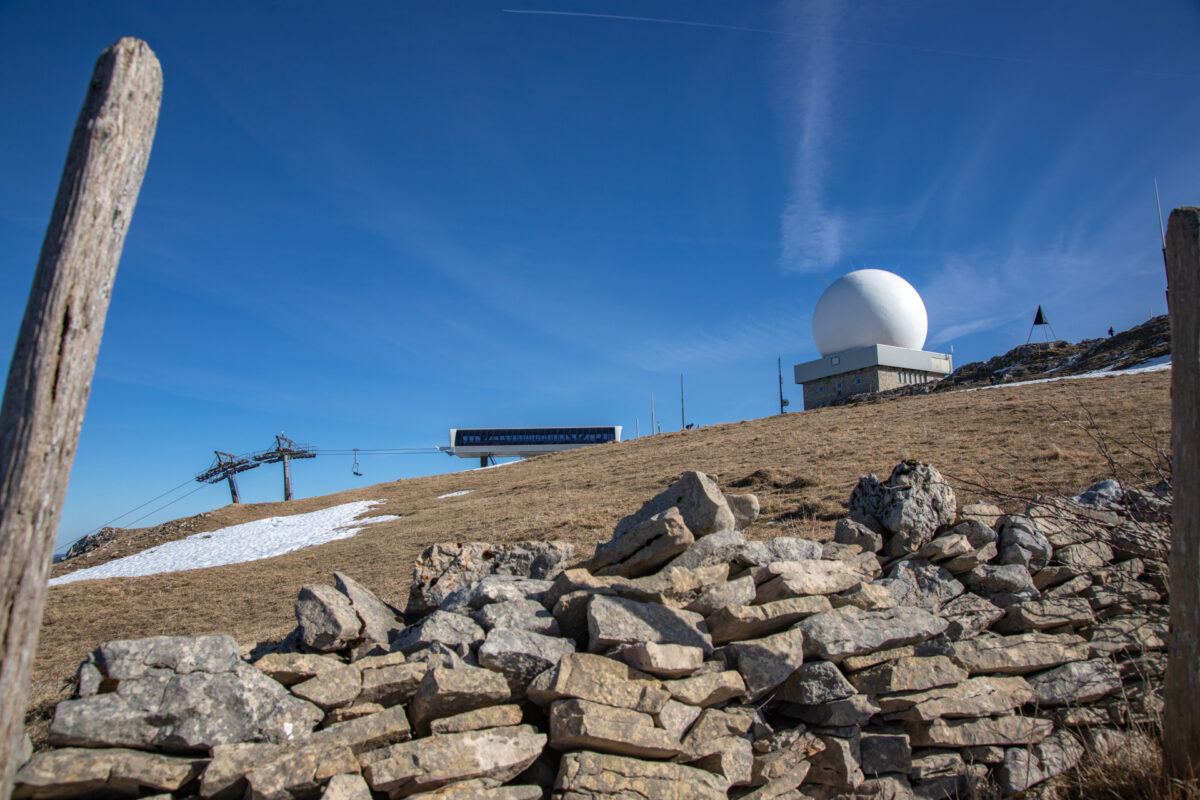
869 327
490 443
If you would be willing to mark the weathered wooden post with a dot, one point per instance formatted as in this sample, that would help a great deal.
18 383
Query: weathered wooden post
1181 722
55 357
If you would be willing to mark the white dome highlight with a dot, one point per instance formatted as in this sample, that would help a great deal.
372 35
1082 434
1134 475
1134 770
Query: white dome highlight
866 307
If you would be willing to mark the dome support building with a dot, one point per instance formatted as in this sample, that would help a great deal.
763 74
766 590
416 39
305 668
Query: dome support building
869 327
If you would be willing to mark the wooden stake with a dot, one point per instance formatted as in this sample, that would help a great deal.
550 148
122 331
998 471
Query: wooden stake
55 356
1181 697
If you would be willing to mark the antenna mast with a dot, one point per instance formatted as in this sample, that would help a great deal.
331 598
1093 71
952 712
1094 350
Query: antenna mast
1163 237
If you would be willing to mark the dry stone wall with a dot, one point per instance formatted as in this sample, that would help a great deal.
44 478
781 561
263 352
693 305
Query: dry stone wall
928 651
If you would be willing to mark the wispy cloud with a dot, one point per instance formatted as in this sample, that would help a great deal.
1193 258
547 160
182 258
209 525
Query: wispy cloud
811 231
773 330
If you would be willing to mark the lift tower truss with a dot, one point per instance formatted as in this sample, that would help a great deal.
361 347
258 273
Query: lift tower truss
284 451
227 465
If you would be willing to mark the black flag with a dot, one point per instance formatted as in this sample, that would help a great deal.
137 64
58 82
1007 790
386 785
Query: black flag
1040 319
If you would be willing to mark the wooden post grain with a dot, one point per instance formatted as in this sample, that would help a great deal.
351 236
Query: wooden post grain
1181 722
55 356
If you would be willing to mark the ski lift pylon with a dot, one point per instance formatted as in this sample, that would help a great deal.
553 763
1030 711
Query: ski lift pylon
355 467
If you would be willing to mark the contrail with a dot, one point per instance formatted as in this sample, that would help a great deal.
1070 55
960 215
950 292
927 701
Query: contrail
1038 62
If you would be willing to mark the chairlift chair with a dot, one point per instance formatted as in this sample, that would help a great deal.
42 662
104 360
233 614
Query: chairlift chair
355 467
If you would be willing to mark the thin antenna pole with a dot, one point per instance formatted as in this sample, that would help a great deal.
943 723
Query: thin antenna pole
682 417
779 365
637 429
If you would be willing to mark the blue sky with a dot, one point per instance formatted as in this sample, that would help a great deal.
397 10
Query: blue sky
366 223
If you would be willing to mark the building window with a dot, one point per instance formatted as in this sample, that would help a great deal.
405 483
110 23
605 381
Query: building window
839 386
835 360
820 390
858 380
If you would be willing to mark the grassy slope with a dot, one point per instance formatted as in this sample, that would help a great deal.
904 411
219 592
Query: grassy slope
1014 440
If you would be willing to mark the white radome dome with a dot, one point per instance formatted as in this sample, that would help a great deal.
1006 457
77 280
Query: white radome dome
866 307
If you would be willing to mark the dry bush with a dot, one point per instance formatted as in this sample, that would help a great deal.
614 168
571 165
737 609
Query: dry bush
1131 771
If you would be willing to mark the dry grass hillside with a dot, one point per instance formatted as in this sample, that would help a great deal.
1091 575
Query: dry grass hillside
1003 443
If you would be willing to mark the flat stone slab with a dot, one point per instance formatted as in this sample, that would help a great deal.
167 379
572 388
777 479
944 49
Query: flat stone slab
180 694
738 623
780 580
495 755
584 725
848 631
976 697
1010 730
615 621
596 776
908 675
1019 654
78 771
601 680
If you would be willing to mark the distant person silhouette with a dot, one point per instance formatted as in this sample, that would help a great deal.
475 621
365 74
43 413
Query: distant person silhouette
1110 333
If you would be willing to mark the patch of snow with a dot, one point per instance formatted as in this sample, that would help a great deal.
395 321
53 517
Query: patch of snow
250 541
493 466
455 494
1153 365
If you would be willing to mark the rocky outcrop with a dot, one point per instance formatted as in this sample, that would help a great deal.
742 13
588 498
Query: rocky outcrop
924 653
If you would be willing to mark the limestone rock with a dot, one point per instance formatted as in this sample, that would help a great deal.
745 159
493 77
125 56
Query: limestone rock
780 580
918 582
721 547
912 505
495 589
849 712
765 663
290 668
1011 730
393 684
980 511
75 772
327 620
445 692
977 697
444 568
522 614
1020 542
947 546
839 764
454 631
937 646
180 694
848 531
614 621
676 718
377 617
662 660
584 725
1002 584
1019 654
815 683
908 675
595 776
601 680
969 614
672 586
1024 767
1076 683
708 689
299 771
1131 632
368 732
738 592
847 631
1084 556
478 719
495 755
332 688
738 623
781 548
1039 615
701 503
346 787
866 596
745 510
884 752
730 758
520 656
482 790
644 547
